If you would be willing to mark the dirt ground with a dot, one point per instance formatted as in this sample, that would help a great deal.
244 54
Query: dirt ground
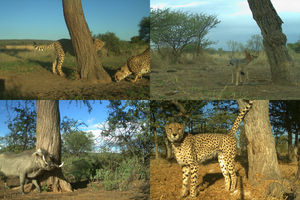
208 80
138 190
45 85
166 181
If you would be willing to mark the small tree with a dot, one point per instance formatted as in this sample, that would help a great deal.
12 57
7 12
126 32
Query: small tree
22 130
255 43
144 31
78 142
177 29
112 42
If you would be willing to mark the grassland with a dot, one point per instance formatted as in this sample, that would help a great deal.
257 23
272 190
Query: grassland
27 74
208 76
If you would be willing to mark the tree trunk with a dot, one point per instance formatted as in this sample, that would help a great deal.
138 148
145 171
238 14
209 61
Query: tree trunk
274 41
263 163
153 128
48 138
156 144
168 148
89 66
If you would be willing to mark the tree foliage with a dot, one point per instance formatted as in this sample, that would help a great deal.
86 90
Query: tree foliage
128 127
76 141
22 128
144 31
112 42
295 47
255 43
176 29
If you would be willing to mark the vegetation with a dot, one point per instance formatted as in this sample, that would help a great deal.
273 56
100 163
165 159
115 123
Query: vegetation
176 29
121 157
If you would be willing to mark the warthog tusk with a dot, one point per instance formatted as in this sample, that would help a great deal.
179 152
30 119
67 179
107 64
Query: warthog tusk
44 160
61 165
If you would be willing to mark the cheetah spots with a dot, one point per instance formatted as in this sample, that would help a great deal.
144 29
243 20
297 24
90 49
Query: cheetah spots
190 149
62 47
136 65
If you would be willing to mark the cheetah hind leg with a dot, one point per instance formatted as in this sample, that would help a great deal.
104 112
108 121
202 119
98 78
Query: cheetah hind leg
54 66
60 62
233 177
225 171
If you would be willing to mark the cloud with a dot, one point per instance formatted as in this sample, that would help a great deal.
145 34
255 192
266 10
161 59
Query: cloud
169 5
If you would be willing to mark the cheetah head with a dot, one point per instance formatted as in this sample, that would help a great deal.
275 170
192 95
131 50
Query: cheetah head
175 132
98 44
122 73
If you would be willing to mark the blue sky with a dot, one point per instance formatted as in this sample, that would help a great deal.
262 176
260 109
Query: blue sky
236 18
80 112
36 19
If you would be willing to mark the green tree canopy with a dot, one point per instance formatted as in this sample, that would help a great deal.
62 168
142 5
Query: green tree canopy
176 29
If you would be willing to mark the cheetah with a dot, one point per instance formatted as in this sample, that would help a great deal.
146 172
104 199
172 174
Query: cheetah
137 65
63 46
190 150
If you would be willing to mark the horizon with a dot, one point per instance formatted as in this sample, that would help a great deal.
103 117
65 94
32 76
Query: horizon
237 23
44 20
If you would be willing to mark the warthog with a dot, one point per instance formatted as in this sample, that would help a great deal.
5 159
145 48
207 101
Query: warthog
27 165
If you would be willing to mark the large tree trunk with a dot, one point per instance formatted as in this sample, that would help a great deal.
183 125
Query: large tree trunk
48 138
282 66
89 65
263 163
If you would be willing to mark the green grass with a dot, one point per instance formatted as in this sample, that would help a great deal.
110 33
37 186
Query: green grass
17 62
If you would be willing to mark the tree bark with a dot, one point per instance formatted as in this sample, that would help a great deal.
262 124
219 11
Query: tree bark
263 164
290 140
153 128
89 66
156 144
274 41
48 138
168 148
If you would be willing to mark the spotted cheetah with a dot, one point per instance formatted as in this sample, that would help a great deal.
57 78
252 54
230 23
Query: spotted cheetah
137 65
63 46
190 150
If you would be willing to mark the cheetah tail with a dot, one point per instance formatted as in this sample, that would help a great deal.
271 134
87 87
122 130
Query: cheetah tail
239 118
42 48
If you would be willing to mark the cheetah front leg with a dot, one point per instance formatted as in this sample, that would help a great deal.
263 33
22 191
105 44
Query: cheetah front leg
185 179
137 77
194 178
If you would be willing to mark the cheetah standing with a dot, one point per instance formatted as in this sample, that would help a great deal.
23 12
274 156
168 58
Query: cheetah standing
137 65
190 150
63 46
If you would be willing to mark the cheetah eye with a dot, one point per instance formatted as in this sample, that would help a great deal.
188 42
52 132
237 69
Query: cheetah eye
179 129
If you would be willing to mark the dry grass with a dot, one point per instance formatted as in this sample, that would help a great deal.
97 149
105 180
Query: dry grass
206 77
